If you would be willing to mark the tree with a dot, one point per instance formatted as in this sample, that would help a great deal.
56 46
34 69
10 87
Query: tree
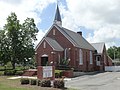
114 52
29 31
4 58
19 39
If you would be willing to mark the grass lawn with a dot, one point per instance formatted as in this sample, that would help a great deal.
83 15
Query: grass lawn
7 84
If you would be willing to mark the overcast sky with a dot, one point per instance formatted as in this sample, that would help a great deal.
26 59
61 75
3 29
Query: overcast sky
99 20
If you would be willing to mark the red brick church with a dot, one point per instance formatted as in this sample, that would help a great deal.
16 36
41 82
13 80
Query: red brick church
63 47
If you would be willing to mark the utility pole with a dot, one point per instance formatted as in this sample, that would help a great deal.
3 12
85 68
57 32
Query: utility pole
114 54
114 58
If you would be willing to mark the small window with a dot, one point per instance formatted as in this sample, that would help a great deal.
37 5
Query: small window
91 57
53 31
44 45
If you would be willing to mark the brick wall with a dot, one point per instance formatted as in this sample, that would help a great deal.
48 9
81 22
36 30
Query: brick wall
73 52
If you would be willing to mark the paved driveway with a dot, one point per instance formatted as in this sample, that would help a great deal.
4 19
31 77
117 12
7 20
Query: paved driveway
100 81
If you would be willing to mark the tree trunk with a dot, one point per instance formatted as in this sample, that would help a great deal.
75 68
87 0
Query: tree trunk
13 65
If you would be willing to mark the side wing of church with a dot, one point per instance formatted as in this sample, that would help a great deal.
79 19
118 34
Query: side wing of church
61 47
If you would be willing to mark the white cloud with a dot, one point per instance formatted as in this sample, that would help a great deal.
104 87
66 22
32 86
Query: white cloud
23 9
101 16
39 36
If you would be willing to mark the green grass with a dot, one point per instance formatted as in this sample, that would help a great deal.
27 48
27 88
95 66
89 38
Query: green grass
6 84
4 87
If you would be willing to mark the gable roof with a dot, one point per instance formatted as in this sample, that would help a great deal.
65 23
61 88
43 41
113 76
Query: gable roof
54 44
76 39
98 46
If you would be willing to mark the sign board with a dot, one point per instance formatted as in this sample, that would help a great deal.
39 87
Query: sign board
47 71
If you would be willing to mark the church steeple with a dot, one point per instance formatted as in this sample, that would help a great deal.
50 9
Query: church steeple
57 19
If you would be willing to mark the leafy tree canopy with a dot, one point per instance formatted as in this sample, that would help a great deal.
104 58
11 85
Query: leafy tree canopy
114 52
17 40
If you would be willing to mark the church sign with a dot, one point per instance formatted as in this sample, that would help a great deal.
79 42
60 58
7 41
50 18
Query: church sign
47 71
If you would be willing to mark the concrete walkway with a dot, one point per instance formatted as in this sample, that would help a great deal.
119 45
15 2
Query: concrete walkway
100 81
18 77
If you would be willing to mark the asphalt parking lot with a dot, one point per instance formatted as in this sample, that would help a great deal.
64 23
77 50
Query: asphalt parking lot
99 81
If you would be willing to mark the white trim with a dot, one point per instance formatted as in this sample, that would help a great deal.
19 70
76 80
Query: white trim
43 38
66 37
42 41
44 55
49 44
39 43
47 34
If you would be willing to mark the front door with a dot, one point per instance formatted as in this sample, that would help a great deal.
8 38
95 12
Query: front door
44 61
98 60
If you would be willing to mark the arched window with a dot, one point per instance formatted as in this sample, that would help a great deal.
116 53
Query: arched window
80 57
65 54
91 58
59 58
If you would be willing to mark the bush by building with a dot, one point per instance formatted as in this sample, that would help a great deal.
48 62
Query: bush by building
45 83
33 81
25 81
9 72
58 84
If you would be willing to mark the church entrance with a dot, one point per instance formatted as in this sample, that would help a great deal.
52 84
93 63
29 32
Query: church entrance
44 61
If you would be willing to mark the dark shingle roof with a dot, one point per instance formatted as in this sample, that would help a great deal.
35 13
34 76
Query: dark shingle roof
54 44
76 38
98 46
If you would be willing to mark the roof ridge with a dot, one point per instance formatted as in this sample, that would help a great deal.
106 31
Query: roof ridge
98 43
62 28
65 29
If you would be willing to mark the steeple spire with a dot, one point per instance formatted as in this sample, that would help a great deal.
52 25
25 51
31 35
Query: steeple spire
57 19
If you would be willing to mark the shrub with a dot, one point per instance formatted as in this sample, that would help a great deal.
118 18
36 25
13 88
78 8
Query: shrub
24 81
58 84
58 73
33 81
19 73
1 73
9 72
45 83
39 82
8 65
